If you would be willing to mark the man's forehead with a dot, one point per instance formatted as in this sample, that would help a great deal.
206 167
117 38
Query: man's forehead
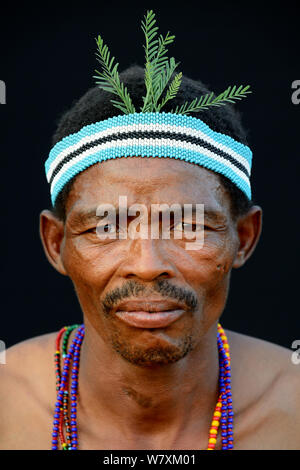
140 173
135 169
145 181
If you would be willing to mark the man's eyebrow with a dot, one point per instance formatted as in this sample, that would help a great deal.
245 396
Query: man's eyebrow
215 215
85 216
210 213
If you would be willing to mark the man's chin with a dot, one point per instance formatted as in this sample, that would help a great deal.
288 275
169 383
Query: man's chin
152 356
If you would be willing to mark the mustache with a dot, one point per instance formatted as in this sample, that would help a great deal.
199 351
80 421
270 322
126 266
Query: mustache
163 286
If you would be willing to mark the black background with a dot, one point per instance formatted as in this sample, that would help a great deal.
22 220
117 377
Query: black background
47 60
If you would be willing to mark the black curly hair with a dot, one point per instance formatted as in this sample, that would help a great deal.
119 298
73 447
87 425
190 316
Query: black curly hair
95 106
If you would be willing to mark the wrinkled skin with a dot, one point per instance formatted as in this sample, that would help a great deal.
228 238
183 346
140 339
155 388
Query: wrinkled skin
149 268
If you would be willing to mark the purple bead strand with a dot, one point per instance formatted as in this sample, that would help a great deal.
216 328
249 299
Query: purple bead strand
76 345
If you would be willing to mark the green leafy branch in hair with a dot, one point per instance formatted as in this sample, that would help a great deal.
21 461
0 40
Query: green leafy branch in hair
159 70
109 79
198 104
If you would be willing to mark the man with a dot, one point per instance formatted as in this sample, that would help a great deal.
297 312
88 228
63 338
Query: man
152 384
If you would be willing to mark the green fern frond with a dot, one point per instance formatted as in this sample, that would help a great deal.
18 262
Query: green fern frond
158 68
204 102
161 80
151 48
109 79
172 90
163 68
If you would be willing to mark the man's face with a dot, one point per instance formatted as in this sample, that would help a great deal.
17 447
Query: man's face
108 273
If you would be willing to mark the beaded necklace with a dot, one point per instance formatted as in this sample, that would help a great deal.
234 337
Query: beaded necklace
222 416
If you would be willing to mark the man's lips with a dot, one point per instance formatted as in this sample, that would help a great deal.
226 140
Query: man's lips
150 313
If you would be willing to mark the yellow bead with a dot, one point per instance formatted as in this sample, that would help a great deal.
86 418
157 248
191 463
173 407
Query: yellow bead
213 431
215 423
212 440
58 352
219 403
226 346
217 413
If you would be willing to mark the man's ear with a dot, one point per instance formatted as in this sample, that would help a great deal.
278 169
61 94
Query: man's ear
249 229
52 233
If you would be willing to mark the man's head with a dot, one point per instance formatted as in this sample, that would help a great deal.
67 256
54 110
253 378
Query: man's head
108 273
95 106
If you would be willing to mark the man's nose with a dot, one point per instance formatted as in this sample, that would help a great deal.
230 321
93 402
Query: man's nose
148 260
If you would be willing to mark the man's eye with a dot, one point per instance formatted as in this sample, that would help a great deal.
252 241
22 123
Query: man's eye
107 228
188 227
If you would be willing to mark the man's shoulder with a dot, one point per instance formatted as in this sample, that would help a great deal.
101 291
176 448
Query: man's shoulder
27 388
28 361
263 363
25 357
260 352
266 383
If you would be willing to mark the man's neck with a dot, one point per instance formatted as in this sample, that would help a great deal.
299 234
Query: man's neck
157 400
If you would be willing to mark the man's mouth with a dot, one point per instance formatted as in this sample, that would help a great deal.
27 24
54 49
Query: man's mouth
150 313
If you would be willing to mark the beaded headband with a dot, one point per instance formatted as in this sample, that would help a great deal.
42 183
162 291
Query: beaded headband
149 135
150 132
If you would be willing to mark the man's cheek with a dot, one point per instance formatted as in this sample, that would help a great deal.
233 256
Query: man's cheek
83 261
211 264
